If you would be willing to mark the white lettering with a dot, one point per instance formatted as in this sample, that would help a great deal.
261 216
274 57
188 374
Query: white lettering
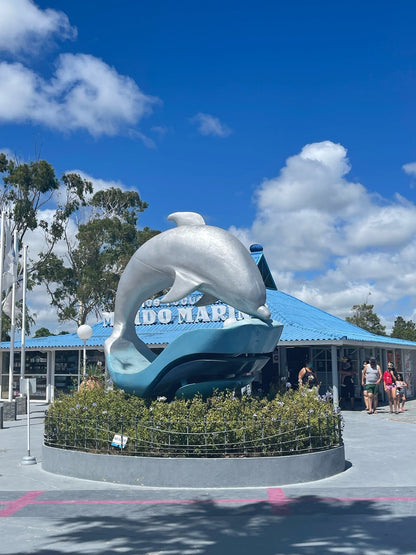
148 317
242 316
202 315
185 314
218 312
164 316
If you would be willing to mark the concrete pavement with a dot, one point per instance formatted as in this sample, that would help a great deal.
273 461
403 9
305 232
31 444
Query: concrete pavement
370 508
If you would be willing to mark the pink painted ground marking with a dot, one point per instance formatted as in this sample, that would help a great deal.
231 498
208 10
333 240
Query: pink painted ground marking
14 506
275 496
140 501
278 501
369 498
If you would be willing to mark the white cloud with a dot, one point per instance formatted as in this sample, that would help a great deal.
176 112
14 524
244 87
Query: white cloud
101 184
9 153
210 125
410 168
38 300
85 93
23 26
329 241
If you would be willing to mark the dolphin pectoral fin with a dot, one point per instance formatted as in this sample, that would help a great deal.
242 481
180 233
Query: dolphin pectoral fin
186 218
182 286
206 299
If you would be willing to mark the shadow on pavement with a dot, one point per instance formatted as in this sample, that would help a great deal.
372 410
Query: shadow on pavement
306 525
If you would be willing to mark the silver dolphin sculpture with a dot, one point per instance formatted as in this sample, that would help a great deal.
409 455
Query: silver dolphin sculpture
190 257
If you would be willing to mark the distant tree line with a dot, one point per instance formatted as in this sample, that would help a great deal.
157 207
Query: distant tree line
364 317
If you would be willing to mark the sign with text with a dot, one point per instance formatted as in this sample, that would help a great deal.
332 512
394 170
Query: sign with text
119 441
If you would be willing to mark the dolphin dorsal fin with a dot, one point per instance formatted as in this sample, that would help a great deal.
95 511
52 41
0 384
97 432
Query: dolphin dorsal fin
186 218
183 286
206 299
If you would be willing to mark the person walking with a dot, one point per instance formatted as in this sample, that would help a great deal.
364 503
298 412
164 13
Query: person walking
365 394
389 381
370 378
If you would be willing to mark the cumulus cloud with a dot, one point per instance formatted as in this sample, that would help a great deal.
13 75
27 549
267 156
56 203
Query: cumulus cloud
329 241
23 25
410 169
210 125
84 93
101 184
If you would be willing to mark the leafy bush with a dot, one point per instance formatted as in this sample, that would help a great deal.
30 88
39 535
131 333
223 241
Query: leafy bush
223 425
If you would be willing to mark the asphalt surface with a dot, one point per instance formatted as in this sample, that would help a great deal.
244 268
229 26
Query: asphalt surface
369 508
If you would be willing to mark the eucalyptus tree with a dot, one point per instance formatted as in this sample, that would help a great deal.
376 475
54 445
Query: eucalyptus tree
403 329
364 317
33 198
27 190
84 280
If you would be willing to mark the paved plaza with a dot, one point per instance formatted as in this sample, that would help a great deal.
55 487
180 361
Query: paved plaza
370 508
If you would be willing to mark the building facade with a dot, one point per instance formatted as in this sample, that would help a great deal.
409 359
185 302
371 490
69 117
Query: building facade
308 333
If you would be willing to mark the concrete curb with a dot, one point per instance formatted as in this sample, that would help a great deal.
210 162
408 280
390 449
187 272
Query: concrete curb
195 472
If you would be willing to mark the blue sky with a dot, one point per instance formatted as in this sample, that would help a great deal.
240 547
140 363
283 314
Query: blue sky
292 124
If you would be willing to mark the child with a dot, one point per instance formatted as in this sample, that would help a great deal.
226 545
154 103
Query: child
400 393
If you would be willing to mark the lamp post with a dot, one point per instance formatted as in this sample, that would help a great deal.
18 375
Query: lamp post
84 333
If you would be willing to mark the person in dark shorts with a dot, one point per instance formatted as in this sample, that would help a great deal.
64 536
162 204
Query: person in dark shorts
365 395
371 377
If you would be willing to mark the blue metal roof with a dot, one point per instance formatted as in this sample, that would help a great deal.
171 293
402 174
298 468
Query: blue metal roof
302 323
160 324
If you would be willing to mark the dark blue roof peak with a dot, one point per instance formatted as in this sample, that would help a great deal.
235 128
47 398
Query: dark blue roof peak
256 247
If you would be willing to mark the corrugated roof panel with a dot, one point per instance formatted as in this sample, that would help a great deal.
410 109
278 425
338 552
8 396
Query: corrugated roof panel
302 323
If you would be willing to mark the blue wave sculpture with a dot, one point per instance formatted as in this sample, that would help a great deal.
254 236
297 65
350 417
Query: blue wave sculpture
191 257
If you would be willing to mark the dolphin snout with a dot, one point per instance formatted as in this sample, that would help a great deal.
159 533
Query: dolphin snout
263 312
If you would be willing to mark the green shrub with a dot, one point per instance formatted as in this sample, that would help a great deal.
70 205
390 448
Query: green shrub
223 425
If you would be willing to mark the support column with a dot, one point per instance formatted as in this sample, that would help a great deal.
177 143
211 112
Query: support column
50 376
334 366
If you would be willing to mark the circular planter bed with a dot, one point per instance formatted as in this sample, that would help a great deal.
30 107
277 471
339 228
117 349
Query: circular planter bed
222 441
195 472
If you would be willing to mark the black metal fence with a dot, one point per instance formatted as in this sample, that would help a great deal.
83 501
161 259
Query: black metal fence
166 437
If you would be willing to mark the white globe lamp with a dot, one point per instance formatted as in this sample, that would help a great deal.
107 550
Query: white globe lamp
84 332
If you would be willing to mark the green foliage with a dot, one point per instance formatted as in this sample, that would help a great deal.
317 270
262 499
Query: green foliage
43 332
404 330
223 425
86 280
364 317
25 190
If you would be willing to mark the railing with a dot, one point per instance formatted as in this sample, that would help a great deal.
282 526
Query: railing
166 437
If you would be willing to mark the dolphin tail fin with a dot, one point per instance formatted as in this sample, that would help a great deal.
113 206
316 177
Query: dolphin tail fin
186 218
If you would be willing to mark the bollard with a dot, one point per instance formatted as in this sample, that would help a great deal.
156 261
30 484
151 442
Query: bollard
15 409
1 416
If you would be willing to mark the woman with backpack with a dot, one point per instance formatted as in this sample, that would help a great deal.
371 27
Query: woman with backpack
389 380
307 376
